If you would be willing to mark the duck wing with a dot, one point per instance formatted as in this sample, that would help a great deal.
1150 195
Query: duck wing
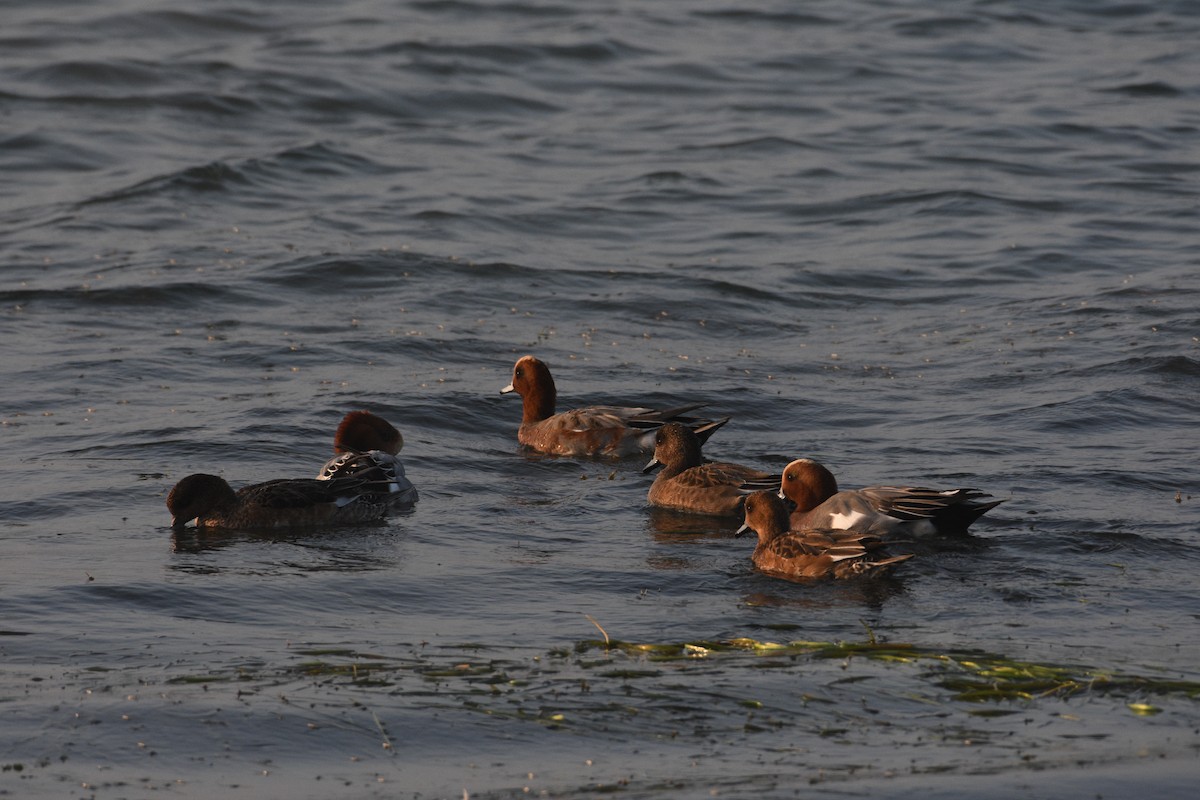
295 493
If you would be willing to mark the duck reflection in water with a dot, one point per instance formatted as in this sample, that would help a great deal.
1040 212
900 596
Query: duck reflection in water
354 548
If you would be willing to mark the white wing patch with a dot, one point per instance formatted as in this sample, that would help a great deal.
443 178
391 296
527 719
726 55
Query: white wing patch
845 521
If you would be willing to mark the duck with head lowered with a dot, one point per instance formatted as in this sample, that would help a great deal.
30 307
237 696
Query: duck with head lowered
366 445
283 503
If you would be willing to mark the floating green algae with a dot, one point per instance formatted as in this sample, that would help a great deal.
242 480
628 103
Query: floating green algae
972 675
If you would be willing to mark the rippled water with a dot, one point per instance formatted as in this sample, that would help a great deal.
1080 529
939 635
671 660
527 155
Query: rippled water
952 246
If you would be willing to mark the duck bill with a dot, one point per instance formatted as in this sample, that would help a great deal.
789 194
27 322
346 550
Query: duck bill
507 389
742 531
654 464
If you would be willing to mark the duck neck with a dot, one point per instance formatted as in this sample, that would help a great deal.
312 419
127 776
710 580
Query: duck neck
538 404
223 498
217 501
773 525
688 455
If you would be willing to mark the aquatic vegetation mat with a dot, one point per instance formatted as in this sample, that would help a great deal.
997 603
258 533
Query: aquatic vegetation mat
740 710
477 675
972 675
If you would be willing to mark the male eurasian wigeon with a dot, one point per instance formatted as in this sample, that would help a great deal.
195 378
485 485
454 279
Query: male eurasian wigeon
901 510
688 482
362 431
285 503
366 446
594 430
811 553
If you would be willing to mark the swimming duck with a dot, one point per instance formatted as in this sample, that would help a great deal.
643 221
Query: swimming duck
907 511
366 446
811 553
594 430
285 503
688 482
361 431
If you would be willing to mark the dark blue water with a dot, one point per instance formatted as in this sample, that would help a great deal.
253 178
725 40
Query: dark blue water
924 244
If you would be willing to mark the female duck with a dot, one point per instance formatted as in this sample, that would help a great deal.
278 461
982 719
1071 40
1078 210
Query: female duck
813 553
286 503
689 483
594 430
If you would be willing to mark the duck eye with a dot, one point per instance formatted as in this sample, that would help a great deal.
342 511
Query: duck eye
520 372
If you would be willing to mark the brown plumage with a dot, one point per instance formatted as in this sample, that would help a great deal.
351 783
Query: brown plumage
594 430
812 553
362 431
285 503
689 483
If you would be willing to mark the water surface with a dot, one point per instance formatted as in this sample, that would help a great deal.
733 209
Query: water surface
926 245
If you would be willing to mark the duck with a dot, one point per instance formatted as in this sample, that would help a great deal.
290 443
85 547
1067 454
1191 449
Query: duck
810 553
366 445
282 503
362 431
593 430
905 511
689 483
